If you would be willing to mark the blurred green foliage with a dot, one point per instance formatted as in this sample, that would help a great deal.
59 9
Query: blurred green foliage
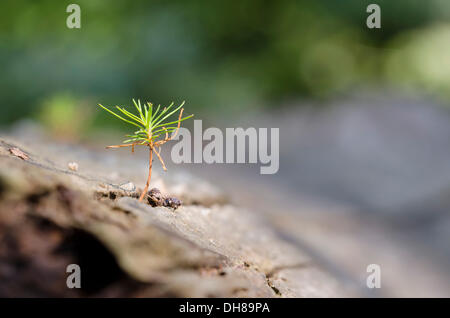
65 116
220 56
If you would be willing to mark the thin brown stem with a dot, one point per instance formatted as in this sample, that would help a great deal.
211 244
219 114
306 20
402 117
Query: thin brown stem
149 174
125 145
160 159
119 146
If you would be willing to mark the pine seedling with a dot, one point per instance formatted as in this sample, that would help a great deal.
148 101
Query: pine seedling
154 127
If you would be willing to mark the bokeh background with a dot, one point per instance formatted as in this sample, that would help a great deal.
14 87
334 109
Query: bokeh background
363 113
223 58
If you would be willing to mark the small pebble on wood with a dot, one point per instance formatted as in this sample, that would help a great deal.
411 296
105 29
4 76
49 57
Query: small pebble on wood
73 166
155 198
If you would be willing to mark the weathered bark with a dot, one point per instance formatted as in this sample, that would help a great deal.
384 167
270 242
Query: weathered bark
51 217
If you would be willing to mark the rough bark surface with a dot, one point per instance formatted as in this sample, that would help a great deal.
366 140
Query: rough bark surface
52 216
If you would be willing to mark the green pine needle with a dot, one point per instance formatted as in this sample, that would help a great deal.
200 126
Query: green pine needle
152 123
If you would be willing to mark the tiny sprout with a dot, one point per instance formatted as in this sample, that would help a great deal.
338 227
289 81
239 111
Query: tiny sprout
153 131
